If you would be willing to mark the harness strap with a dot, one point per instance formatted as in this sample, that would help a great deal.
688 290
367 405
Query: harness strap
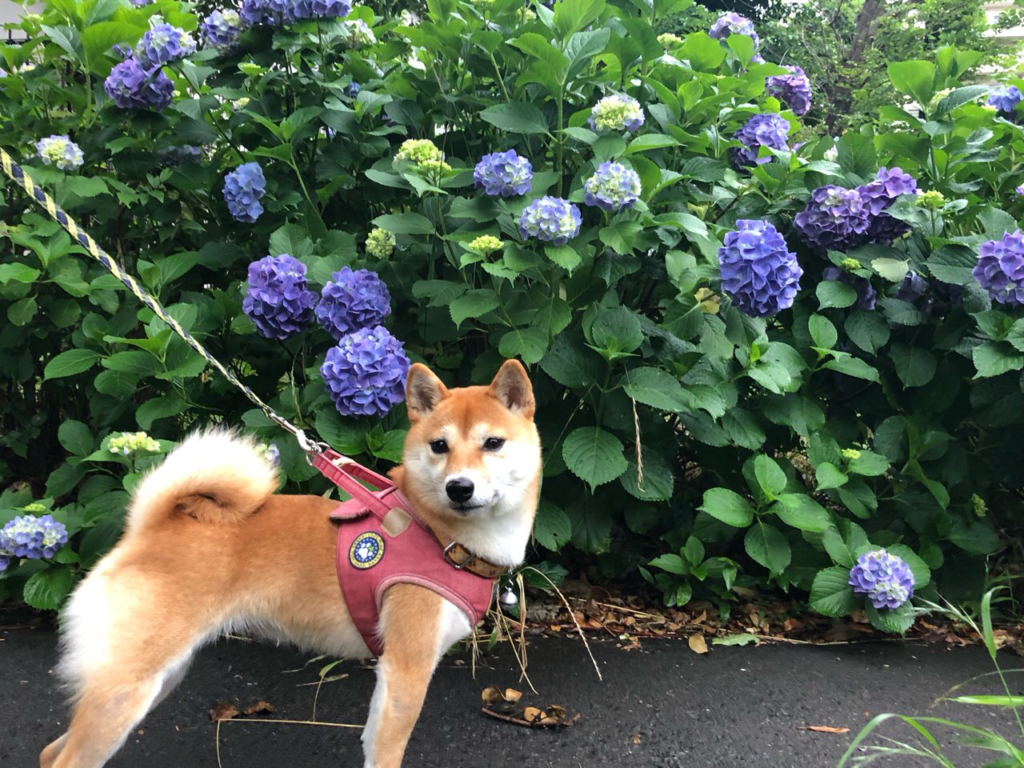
346 474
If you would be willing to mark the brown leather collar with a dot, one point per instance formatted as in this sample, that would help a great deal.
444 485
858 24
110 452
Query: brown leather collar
462 559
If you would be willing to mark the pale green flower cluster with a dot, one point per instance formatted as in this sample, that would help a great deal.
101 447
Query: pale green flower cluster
850 264
668 40
380 243
424 154
485 245
850 454
34 508
128 443
932 199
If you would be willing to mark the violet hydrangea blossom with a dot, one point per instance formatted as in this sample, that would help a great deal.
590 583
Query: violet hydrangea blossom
244 187
162 44
353 299
759 272
550 219
763 130
503 174
794 89
61 152
277 300
132 86
879 195
1000 268
32 537
835 219
612 187
733 24
885 579
222 29
1005 99
365 373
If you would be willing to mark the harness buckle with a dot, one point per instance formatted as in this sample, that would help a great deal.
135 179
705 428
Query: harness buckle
454 563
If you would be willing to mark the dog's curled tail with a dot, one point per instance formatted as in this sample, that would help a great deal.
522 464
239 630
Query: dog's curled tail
213 476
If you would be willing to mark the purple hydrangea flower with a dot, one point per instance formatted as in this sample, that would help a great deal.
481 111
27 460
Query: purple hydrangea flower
353 299
866 293
244 187
550 219
121 51
365 373
352 89
793 89
277 300
1005 99
734 24
1000 268
759 272
273 12
5 562
612 188
912 287
141 3
33 537
132 86
222 29
765 130
323 9
273 455
884 579
889 184
61 152
503 174
163 44
835 219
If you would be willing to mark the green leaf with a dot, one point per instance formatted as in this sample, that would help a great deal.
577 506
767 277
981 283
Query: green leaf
957 97
593 455
528 344
922 573
914 78
69 363
564 256
770 476
996 358
571 363
802 512
654 387
672 563
21 312
915 366
552 527
741 638
21 273
893 270
159 408
98 39
832 293
822 331
867 330
896 621
768 547
573 15
831 595
405 223
76 437
650 141
702 51
516 117
46 590
727 506
345 435
868 464
829 476
616 329
591 525
473 303
853 366
658 480
64 479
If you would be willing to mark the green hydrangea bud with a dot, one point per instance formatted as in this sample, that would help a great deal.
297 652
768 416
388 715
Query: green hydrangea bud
668 40
978 505
850 264
380 243
850 454
128 443
34 507
423 154
931 199
485 245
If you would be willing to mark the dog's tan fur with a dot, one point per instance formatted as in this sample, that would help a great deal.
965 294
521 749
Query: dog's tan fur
208 549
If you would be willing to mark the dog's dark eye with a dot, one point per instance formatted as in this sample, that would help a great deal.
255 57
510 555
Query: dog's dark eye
439 446
493 443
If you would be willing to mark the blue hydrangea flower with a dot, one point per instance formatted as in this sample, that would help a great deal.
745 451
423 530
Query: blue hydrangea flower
273 455
352 89
866 293
365 373
834 219
1005 99
912 287
503 174
277 300
244 187
324 9
884 579
163 44
353 299
617 112
141 3
222 29
1020 191
793 89
33 537
5 562
888 186
550 219
61 152
764 130
759 272
612 188
1000 268
121 51
132 86
734 24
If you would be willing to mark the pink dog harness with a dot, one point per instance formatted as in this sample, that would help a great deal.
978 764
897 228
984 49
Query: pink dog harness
380 543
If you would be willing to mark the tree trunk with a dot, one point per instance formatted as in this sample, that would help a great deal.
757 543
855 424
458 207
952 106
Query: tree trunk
864 34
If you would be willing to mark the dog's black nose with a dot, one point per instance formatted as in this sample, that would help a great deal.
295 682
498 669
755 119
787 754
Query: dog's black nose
459 490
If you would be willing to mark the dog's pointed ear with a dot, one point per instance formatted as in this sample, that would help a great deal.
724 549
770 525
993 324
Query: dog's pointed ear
512 388
423 391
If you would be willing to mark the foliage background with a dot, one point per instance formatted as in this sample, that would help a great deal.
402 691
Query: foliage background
740 423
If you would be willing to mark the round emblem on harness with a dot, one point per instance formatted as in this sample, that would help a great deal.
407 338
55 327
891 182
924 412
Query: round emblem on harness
366 551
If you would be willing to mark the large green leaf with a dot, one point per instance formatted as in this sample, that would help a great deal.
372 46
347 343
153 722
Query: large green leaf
767 546
71 362
528 344
473 303
76 437
831 594
654 387
593 455
516 117
727 506
571 363
914 78
552 527
46 590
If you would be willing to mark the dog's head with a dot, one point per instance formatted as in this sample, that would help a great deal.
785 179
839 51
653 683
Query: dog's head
473 452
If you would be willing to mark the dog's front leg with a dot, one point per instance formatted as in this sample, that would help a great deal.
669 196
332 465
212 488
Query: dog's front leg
418 626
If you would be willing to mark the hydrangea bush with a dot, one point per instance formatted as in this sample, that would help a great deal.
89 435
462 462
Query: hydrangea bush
759 356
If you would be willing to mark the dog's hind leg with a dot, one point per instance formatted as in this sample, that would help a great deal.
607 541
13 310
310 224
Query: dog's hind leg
418 627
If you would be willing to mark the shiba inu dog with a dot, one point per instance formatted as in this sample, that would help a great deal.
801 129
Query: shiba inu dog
209 548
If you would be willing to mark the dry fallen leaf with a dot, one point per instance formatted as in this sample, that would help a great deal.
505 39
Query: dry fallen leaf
636 738
223 711
698 644
493 695
259 706
826 729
